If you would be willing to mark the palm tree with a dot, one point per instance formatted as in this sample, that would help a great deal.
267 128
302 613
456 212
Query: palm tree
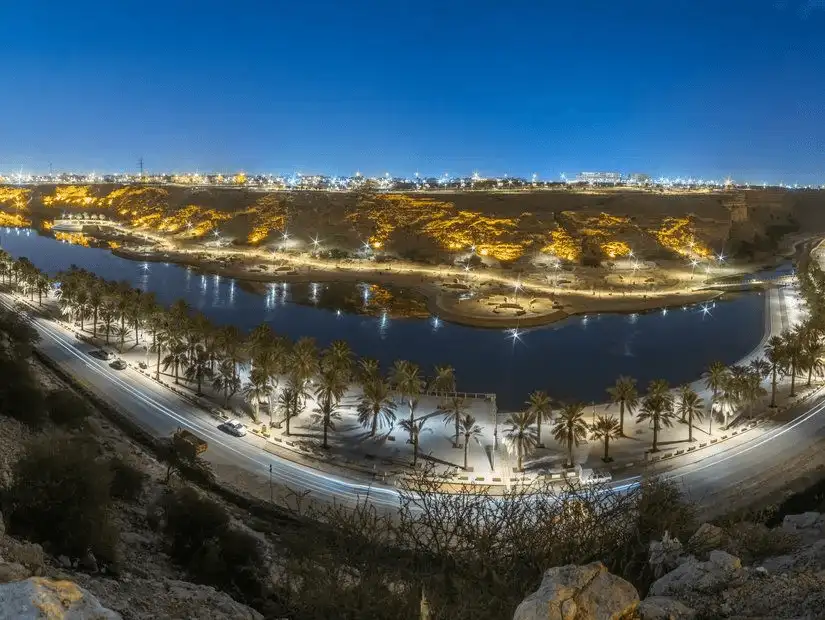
95 304
338 357
775 354
368 370
294 392
812 352
408 384
226 380
470 430
444 382
304 361
198 369
570 428
690 407
605 429
256 389
792 343
331 386
376 407
521 436
414 428
42 286
657 407
453 412
230 343
716 379
624 393
177 357
107 316
541 407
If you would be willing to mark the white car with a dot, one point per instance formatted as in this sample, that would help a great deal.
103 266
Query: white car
233 427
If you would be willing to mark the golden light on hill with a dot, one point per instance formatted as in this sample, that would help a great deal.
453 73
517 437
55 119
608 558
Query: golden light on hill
615 249
15 198
74 238
269 214
13 220
563 246
71 195
676 234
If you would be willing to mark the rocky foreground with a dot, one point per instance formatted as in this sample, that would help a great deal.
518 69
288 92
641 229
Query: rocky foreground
778 574
34 586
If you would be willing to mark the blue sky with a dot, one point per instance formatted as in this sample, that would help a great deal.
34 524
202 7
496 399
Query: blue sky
694 87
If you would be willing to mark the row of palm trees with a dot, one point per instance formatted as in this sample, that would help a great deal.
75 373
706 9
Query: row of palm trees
282 376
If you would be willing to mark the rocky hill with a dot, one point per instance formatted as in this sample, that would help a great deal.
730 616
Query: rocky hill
576 226
746 571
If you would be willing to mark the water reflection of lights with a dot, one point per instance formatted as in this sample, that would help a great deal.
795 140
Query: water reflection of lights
436 322
664 311
633 318
514 334
313 292
232 292
145 267
338 313
585 318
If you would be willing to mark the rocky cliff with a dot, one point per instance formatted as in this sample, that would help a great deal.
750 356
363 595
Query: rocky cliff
745 571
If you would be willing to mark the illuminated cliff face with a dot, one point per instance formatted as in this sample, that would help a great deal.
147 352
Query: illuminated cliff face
14 201
676 234
71 196
562 245
268 216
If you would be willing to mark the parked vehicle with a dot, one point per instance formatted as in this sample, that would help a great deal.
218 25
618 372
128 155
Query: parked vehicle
118 364
233 427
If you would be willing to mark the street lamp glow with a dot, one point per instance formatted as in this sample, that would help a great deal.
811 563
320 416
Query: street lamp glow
316 242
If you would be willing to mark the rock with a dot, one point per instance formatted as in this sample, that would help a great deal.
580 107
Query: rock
707 537
88 562
133 538
664 608
29 555
37 598
809 557
719 571
64 561
579 592
801 522
12 571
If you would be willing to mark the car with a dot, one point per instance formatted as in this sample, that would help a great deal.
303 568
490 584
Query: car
101 354
118 364
233 427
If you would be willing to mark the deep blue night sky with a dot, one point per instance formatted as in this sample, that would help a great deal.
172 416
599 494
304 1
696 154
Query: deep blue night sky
692 87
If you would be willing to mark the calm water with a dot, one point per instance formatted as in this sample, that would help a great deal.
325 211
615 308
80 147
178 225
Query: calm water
576 358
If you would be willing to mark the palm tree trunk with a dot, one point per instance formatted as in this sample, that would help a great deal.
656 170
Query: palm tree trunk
455 443
621 417
570 450
200 381
94 322
655 436
176 373
810 370
157 368
690 425
606 458
520 468
773 387
466 444
793 379
538 431
415 451
374 427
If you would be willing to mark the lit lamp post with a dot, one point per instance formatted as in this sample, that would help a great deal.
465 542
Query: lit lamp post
693 264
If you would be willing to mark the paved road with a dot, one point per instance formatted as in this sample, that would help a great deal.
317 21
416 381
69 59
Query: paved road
161 412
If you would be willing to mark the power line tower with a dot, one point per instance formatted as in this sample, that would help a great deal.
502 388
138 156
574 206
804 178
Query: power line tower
140 165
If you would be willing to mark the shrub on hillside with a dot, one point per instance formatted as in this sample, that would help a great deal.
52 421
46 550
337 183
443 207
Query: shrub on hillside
66 409
20 395
202 540
60 498
127 480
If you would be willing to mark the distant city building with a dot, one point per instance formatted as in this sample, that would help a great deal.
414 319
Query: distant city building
599 178
639 178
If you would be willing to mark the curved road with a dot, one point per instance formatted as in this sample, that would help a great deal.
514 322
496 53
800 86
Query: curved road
160 411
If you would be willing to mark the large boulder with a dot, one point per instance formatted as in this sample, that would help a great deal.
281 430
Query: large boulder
809 526
706 538
12 571
37 598
578 593
664 608
720 571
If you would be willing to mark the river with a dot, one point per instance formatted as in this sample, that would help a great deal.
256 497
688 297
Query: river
577 358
